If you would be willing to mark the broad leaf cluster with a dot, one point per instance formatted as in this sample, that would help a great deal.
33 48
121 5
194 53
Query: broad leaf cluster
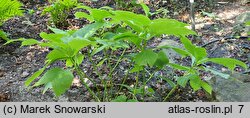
114 30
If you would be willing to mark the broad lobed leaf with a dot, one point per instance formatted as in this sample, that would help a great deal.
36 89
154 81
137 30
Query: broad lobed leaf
168 26
228 62
60 79
146 57
197 53
161 60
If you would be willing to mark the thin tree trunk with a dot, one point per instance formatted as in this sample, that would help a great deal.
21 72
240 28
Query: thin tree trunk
192 16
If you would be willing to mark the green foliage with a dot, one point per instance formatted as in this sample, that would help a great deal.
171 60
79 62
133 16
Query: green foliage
248 23
34 76
227 62
174 27
199 58
125 4
3 35
9 9
58 79
162 59
66 46
145 9
59 11
110 31
146 57
123 98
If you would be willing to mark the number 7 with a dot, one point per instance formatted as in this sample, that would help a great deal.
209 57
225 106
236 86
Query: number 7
241 107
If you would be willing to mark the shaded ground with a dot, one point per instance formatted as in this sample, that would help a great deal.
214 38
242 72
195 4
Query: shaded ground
222 27
16 64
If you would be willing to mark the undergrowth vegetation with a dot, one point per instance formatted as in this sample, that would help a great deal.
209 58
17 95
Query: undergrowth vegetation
115 30
9 9
59 11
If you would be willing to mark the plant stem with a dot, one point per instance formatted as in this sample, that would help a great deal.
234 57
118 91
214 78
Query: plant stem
105 83
124 80
113 69
136 83
117 63
82 76
145 82
170 93
96 70
151 76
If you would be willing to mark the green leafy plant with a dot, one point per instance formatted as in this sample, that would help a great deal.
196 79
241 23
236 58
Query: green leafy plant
199 58
66 47
125 4
9 9
145 29
111 31
59 11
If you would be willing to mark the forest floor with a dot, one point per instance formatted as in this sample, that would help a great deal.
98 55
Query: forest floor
16 64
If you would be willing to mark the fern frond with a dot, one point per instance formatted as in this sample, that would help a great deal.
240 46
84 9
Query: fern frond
9 9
